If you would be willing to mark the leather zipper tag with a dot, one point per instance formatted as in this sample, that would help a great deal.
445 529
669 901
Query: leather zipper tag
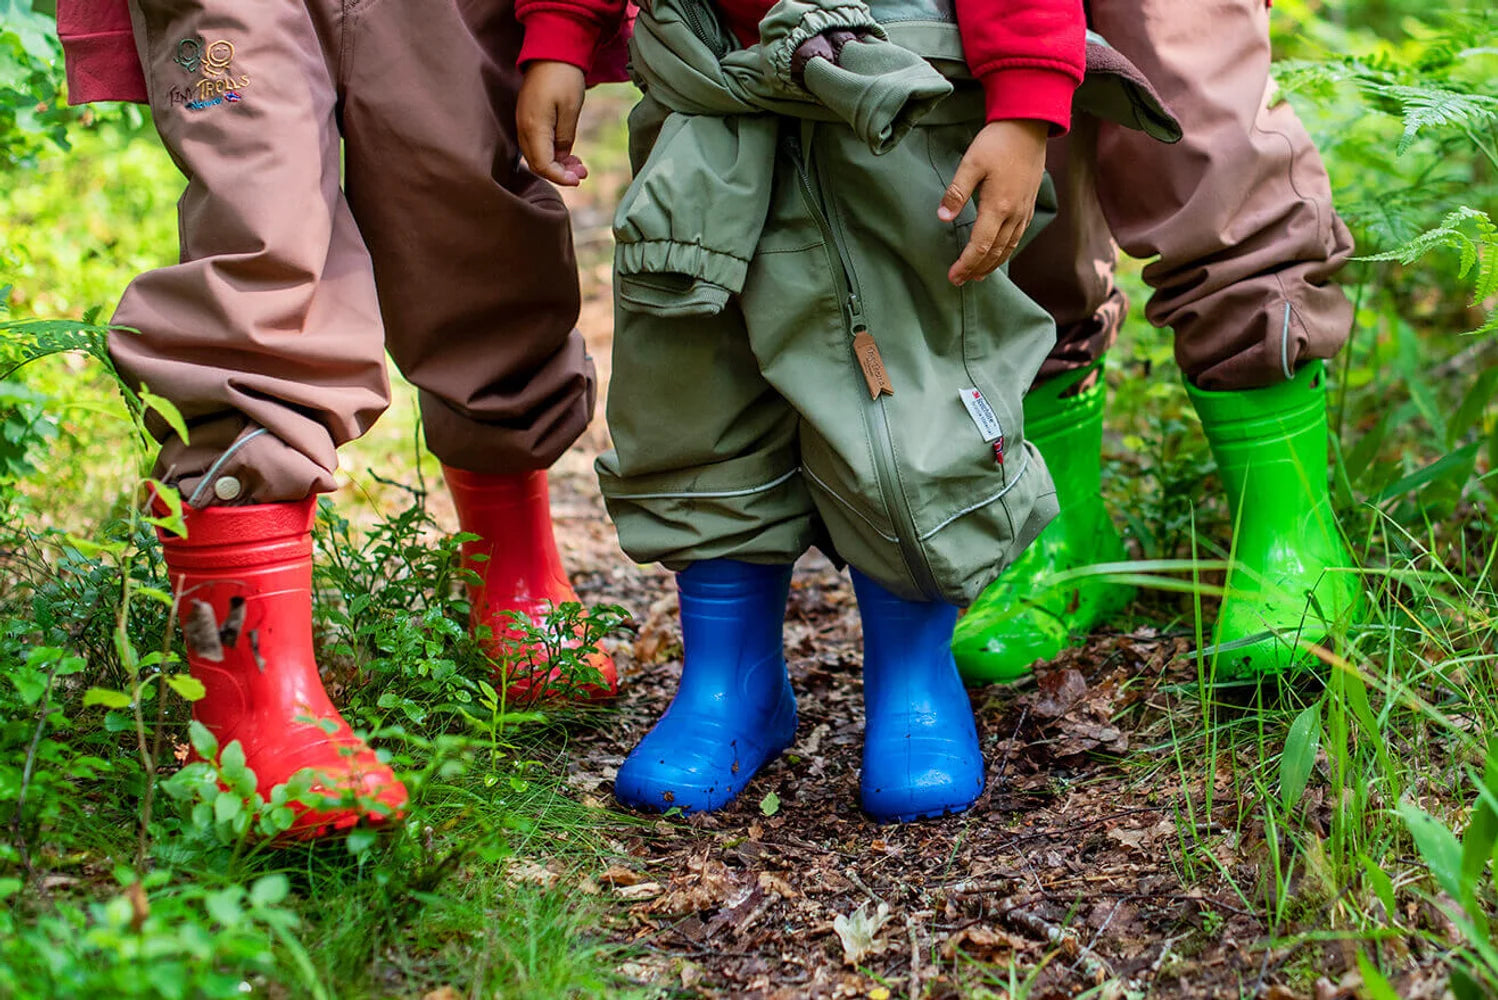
872 364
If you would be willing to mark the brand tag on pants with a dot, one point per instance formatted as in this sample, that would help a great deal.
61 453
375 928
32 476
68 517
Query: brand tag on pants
982 414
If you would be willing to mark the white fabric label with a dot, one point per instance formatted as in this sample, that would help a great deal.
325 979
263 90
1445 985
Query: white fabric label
982 414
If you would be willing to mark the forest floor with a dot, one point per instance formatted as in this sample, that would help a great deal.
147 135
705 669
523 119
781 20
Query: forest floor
1096 856
1100 860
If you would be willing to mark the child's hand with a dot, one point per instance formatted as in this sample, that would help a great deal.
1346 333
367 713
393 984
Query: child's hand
1003 166
546 116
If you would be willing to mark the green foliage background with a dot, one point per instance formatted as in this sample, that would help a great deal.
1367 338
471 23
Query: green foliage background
1402 96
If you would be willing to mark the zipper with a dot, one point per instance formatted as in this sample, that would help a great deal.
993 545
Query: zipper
875 415
692 12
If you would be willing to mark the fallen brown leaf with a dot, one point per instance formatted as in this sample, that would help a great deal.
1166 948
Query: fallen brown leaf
978 940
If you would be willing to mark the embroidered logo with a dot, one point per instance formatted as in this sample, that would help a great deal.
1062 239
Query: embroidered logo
218 57
217 85
189 54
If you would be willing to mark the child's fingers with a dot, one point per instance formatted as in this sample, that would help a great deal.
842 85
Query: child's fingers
537 132
981 245
1008 241
573 165
566 168
960 190
564 129
548 161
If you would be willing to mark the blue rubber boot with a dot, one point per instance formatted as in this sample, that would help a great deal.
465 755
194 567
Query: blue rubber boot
734 711
920 745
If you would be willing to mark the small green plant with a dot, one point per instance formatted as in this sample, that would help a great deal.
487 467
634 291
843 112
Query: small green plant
552 658
153 938
218 793
1462 869
394 610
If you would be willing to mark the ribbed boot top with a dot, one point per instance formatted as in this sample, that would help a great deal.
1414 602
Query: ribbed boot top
1275 411
1050 413
483 490
223 538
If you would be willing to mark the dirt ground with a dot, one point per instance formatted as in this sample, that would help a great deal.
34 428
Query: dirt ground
1071 869
1070 861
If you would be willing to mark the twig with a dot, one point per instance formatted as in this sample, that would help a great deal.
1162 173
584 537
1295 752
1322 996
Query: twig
1005 887
1004 765
1159 962
1066 940
1098 936
852 876
915 958
155 757
1463 361
1084 824
1056 897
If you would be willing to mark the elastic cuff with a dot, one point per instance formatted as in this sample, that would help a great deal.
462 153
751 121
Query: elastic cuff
103 67
1027 92
557 37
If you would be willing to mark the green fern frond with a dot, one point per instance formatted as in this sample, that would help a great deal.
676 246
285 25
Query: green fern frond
24 340
1474 236
1427 106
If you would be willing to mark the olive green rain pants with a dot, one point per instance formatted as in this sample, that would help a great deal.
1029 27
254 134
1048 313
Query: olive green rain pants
773 426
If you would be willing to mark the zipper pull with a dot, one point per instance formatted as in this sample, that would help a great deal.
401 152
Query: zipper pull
874 372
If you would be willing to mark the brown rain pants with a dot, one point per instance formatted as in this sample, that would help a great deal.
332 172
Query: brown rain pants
270 334
1238 214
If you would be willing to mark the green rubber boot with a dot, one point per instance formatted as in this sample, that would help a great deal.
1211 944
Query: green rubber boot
1018 620
1292 577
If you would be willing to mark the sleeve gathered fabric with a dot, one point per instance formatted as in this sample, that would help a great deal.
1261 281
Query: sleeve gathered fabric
1028 54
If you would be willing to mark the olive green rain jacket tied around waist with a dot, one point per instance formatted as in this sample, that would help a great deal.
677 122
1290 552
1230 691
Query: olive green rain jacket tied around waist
791 365
684 235
688 226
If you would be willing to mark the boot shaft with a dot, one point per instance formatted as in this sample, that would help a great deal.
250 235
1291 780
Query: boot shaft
906 644
732 626
1067 427
1270 444
516 548
255 539
243 581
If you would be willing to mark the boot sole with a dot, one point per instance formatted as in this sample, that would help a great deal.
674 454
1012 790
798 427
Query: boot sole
935 813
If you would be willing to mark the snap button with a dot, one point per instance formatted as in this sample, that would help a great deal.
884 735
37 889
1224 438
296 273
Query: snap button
227 488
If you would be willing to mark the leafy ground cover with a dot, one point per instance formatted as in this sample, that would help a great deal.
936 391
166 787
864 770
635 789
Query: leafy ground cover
1146 830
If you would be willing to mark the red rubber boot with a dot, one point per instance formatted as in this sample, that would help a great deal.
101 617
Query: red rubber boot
521 572
253 567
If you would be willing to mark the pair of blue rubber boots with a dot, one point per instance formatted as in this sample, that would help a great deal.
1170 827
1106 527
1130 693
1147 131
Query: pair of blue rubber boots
735 711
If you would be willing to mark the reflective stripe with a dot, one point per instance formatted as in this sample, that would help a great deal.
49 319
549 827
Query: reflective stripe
694 495
984 503
852 509
212 473
1285 346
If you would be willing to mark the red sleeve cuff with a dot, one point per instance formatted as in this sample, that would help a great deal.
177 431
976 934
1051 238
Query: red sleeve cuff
103 67
553 35
1030 92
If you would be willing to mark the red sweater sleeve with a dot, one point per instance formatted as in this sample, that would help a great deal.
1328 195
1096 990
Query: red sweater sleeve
99 51
1028 54
566 30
